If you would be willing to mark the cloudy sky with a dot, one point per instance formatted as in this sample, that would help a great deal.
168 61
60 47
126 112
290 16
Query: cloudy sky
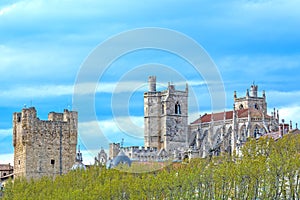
44 45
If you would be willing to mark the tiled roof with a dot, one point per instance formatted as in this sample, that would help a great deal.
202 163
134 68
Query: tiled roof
5 167
254 113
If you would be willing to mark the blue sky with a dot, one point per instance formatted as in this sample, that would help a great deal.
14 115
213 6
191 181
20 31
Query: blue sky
43 45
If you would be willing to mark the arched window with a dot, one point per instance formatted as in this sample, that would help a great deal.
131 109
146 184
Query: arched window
162 109
241 107
243 132
256 131
256 106
177 109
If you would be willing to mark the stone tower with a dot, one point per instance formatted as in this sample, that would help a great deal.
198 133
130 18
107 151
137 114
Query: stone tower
44 147
165 117
251 100
114 149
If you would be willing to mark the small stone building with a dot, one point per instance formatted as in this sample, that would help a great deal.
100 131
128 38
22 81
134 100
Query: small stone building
5 170
44 147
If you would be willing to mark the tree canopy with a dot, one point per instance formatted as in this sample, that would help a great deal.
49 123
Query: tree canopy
268 169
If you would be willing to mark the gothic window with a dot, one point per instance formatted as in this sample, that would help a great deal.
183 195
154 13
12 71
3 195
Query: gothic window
162 109
256 131
243 133
256 106
18 118
241 107
177 109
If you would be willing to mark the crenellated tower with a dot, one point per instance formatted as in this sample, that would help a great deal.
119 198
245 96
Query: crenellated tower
44 147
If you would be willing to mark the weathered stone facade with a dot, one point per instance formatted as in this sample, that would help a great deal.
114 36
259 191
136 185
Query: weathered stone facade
214 133
44 147
102 158
167 134
114 149
165 117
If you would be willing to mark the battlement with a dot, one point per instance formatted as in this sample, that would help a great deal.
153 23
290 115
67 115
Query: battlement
55 117
44 147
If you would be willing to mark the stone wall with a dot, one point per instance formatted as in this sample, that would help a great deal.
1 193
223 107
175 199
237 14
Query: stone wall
44 147
114 149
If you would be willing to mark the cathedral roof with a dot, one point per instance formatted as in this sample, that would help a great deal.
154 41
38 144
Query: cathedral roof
254 113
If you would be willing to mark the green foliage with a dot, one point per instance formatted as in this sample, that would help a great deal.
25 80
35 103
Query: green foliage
267 170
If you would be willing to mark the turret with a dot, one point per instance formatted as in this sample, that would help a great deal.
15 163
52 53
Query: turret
253 90
152 83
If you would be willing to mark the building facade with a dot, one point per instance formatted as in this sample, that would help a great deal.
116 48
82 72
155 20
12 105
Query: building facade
227 131
44 147
167 134
165 117
5 170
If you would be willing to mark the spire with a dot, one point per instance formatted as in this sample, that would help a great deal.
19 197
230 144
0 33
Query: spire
79 155
186 87
253 90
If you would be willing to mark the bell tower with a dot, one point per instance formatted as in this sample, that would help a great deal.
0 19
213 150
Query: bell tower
165 117
251 100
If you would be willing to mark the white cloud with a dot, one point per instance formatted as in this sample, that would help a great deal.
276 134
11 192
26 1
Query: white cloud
88 156
283 99
266 64
273 94
5 132
96 134
7 158
7 9
37 91
32 91
290 113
